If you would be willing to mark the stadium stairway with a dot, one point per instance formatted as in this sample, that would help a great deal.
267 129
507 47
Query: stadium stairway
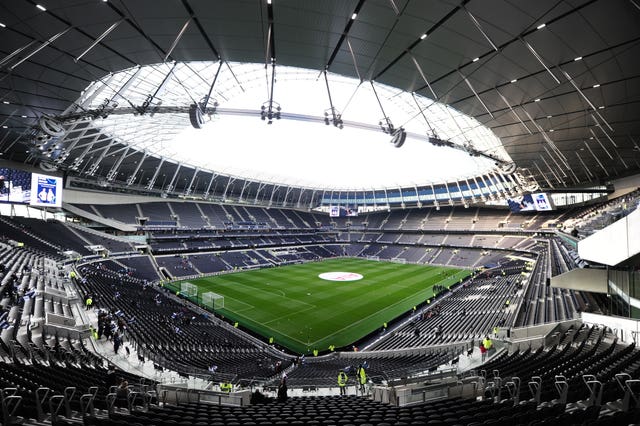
173 334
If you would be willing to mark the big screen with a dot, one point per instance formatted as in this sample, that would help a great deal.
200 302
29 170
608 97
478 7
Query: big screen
22 187
538 201
341 211
15 186
46 191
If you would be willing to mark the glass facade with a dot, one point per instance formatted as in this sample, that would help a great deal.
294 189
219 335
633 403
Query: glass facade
624 292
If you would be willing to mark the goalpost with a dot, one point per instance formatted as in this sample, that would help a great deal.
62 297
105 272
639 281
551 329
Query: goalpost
401 260
376 258
213 300
188 289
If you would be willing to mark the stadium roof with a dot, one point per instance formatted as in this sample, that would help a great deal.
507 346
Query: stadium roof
556 81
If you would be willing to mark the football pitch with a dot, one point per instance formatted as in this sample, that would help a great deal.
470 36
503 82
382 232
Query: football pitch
303 312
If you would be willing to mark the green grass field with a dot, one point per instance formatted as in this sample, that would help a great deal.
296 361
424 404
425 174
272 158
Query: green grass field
303 312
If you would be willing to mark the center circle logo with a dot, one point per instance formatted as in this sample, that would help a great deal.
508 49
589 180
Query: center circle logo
340 276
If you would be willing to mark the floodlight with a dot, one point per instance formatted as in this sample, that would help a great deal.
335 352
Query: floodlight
195 116
398 137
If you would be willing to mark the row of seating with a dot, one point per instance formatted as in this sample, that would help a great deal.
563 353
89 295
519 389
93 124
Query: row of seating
168 331
205 215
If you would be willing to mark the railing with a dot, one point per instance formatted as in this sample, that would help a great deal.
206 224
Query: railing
180 393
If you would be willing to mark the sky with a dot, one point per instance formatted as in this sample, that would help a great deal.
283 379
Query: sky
316 155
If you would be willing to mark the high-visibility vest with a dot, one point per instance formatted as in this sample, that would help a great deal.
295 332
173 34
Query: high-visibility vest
342 379
363 376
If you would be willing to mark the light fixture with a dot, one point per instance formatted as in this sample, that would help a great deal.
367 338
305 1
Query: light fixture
423 36
549 116
579 58
601 107
267 111
514 80
5 102
41 7
333 116
551 130
596 86
541 26
2 25
354 16
476 59
536 100
196 116
398 137
23 116
4 127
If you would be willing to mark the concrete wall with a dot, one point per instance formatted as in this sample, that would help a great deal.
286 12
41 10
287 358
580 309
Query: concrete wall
594 280
613 244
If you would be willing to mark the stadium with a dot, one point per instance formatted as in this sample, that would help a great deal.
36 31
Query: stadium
341 212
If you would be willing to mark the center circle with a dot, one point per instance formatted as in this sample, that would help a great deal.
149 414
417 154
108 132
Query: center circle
340 276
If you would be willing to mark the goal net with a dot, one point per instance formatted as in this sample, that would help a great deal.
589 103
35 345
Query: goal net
376 258
213 300
188 289
399 260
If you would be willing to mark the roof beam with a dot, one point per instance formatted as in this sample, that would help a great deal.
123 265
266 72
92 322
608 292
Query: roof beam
426 35
203 33
345 32
89 36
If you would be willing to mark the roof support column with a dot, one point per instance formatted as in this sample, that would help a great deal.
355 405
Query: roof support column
230 180
132 178
261 186
286 195
114 169
187 191
171 185
244 186
300 196
152 181
94 167
213 177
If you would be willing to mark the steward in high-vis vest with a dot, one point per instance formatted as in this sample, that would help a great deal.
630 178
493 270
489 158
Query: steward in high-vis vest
362 376
342 382
226 386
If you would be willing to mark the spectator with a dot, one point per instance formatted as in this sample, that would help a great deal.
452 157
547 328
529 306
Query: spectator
112 378
282 389
122 394
483 351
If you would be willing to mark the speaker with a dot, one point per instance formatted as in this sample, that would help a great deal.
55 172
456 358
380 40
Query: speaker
399 137
195 116
548 282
